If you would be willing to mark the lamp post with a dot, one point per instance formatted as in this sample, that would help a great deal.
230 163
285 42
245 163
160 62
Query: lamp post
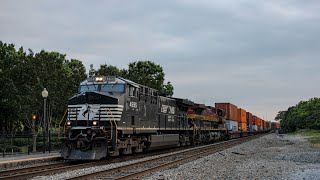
44 95
34 147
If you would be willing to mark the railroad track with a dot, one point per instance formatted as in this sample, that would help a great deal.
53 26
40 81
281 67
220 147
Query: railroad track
30 172
142 168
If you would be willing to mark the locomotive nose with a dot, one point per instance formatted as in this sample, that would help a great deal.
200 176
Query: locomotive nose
86 109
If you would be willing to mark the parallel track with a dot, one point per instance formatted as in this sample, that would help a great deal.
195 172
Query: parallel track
139 169
30 172
128 171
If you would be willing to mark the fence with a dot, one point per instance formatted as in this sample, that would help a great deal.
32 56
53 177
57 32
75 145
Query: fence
22 144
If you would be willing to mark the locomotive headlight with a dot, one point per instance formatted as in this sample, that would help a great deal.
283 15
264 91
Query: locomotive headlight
94 123
99 79
68 123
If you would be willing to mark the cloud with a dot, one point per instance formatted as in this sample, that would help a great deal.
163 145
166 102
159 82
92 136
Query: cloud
260 55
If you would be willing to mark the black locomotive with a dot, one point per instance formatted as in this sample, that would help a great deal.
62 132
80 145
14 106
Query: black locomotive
112 115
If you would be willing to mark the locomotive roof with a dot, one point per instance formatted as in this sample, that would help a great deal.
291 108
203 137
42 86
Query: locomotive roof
111 79
184 101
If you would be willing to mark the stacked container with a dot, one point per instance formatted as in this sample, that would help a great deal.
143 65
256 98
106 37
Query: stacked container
255 123
278 125
242 119
229 109
249 121
259 124
265 125
232 125
230 114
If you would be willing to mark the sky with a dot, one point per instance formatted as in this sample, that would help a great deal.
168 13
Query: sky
261 55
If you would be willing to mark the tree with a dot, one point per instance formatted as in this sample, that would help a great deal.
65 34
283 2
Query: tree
167 90
108 70
305 114
23 76
9 92
143 72
147 73
76 73
281 115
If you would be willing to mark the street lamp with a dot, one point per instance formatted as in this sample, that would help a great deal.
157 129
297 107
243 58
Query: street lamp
34 147
44 95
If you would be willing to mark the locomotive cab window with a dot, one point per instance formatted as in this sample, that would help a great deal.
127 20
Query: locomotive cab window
131 91
141 94
146 92
118 88
113 88
88 88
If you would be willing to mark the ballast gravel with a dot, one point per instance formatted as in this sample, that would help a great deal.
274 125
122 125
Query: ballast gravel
270 157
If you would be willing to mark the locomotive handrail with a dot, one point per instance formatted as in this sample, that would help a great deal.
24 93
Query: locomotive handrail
64 126
112 125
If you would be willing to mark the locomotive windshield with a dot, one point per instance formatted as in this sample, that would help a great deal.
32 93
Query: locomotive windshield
88 88
119 88
114 88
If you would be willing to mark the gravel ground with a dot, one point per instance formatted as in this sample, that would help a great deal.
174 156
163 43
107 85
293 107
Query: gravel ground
270 157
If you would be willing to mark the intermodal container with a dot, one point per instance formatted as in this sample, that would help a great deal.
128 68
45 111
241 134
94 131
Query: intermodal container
229 109
249 118
258 121
243 126
250 127
232 125
278 125
242 115
255 120
255 127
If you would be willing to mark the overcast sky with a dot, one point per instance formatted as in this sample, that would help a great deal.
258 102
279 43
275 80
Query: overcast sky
262 56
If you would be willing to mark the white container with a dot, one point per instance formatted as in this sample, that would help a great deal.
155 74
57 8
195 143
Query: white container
232 125
255 127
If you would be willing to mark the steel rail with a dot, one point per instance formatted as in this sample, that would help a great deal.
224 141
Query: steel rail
202 151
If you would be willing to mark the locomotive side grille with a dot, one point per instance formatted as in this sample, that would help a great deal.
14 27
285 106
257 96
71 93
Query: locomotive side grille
110 112
73 112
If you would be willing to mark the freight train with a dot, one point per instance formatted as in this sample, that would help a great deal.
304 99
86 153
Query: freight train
110 116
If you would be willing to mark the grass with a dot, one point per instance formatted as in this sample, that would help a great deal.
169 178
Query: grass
313 136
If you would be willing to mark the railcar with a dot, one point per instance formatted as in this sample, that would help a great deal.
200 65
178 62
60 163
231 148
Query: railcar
113 115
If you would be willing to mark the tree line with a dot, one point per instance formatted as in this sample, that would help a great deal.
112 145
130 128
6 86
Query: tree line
24 74
304 115
145 72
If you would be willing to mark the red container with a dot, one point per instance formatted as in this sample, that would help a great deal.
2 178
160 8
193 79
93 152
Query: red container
229 109
278 125
256 121
249 118
265 124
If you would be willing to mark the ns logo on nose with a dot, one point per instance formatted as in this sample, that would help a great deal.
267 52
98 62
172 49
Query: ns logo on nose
86 111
